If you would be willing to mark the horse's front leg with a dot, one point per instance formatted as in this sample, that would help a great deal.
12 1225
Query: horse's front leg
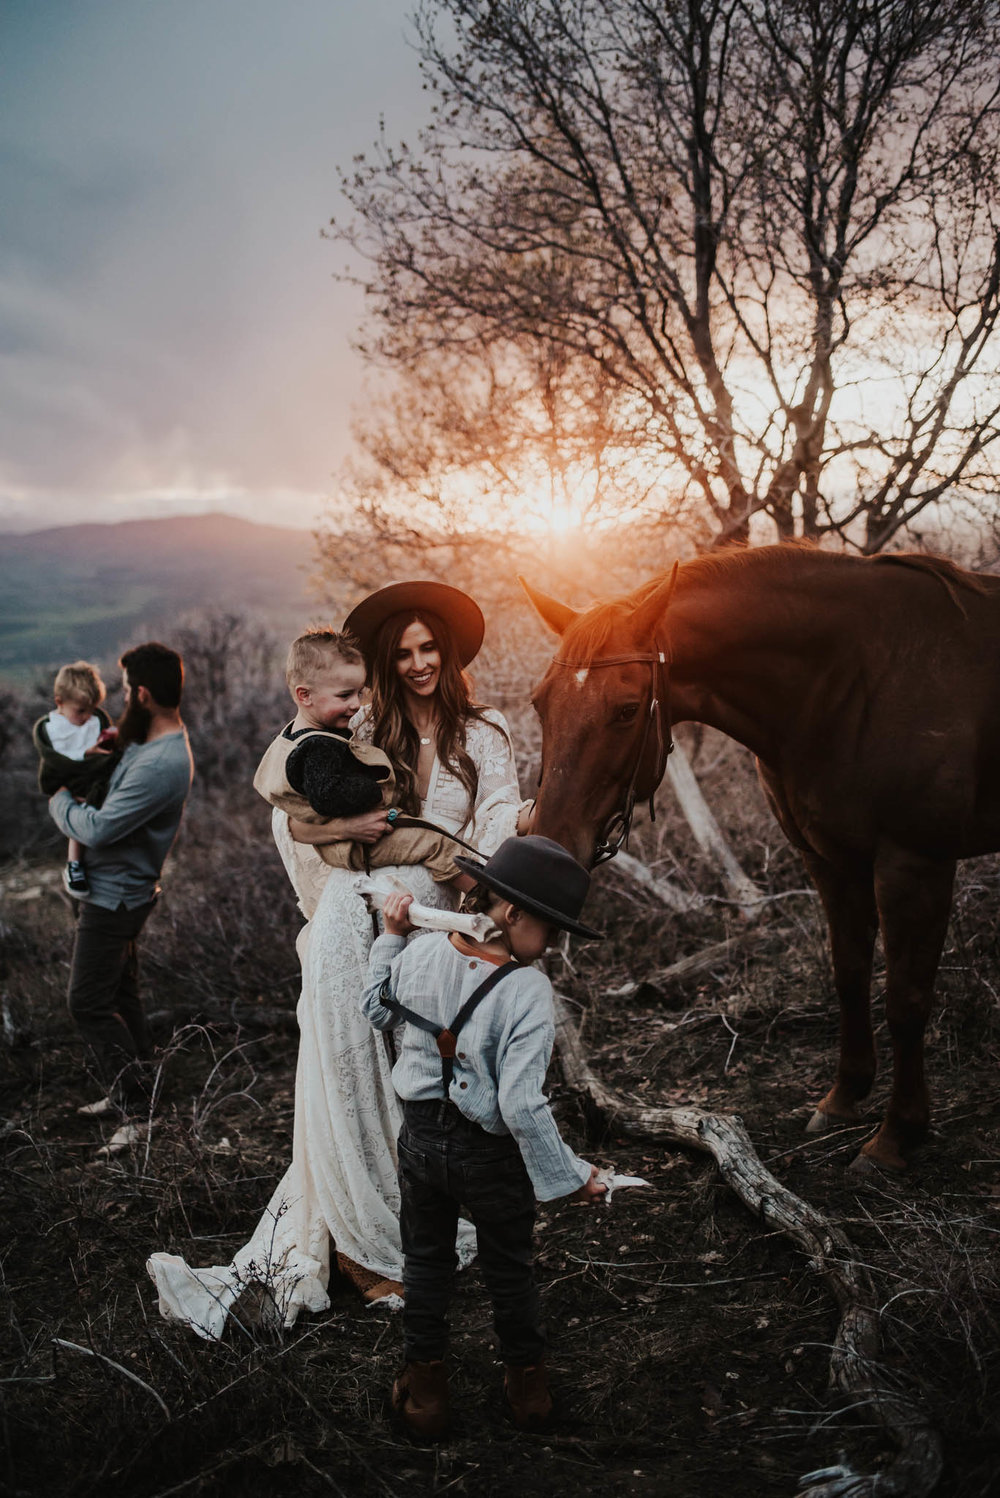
914 901
849 901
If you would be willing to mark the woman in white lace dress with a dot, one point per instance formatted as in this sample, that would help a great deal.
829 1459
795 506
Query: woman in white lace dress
454 767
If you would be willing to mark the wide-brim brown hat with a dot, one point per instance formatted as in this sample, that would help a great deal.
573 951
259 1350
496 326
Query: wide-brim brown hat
458 610
539 876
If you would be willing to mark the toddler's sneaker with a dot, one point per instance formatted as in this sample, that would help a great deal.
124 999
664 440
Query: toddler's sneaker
75 879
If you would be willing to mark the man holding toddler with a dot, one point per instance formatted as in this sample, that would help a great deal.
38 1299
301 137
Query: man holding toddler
127 840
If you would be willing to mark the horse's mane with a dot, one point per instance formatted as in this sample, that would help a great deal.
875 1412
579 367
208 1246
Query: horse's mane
777 559
767 559
587 636
944 569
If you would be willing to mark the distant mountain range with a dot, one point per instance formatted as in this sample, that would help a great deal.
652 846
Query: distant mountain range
90 590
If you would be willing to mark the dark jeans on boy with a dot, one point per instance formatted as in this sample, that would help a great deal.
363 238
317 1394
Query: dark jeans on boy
449 1165
105 1002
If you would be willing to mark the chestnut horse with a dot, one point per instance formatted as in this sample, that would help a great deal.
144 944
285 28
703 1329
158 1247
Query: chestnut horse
869 691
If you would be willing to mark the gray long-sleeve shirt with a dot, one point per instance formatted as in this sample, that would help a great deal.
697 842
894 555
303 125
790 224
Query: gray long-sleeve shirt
504 1048
128 838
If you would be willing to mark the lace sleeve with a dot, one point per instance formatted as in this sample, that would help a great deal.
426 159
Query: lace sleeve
498 798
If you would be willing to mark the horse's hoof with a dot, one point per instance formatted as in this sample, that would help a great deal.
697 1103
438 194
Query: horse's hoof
822 1123
871 1160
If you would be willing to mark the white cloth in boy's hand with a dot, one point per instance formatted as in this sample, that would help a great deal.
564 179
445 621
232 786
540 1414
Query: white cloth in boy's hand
611 1181
375 888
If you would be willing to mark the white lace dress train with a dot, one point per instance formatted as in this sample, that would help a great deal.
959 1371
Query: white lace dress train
341 1184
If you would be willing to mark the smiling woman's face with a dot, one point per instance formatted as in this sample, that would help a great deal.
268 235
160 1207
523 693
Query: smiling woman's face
418 660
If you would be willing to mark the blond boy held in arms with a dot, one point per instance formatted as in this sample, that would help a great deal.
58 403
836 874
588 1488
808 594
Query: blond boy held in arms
75 744
320 776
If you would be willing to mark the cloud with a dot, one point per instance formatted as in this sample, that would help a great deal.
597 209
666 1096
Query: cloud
168 314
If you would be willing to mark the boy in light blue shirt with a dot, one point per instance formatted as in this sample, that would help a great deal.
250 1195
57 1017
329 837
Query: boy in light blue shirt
478 1133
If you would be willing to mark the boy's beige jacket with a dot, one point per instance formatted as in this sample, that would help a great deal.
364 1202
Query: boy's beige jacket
403 845
271 780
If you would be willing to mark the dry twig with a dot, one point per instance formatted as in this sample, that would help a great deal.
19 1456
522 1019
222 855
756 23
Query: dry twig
126 1372
703 961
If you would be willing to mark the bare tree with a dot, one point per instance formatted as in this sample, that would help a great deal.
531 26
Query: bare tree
234 694
522 448
747 252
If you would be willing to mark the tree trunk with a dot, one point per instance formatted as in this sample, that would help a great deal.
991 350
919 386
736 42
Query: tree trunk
634 871
708 834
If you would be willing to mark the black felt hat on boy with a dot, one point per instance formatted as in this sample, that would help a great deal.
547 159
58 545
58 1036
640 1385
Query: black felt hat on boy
538 876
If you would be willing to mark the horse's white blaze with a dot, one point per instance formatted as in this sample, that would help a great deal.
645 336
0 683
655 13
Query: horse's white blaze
581 677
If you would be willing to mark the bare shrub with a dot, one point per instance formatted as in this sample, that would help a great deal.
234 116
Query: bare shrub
235 698
688 1345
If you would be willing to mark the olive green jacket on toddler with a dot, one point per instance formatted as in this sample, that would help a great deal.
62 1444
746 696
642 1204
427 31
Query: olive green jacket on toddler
87 777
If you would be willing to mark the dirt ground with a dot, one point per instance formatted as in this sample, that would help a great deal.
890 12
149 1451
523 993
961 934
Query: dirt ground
690 1345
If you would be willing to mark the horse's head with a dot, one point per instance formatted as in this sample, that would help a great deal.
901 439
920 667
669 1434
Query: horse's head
605 721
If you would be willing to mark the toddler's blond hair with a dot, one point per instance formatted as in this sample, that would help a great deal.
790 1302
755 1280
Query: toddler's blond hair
314 652
80 683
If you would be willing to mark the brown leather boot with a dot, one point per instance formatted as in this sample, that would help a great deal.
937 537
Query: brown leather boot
526 1391
420 1399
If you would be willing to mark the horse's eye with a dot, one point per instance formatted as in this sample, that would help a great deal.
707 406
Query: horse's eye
628 713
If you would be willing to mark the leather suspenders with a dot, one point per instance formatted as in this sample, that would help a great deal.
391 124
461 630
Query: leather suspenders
448 1036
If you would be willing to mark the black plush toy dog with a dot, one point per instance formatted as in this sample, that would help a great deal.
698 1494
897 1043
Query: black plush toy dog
336 784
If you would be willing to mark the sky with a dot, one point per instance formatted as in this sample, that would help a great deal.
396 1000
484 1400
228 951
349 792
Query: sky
172 335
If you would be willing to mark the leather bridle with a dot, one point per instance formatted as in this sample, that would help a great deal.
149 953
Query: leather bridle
616 829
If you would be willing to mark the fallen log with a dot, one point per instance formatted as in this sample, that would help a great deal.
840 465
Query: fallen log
703 961
854 1368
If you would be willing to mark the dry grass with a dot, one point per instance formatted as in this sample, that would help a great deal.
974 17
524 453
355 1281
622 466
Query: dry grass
690 1347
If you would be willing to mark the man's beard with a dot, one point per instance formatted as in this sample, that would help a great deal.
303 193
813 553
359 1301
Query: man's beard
134 724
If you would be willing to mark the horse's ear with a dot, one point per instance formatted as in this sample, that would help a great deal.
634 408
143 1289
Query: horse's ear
647 614
554 615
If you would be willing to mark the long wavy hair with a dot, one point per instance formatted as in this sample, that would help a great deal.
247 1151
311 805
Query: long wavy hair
392 730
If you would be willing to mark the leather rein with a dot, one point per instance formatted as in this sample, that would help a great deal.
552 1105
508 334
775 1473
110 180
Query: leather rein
615 831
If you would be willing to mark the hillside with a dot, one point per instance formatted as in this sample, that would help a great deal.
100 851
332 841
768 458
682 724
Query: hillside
87 590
